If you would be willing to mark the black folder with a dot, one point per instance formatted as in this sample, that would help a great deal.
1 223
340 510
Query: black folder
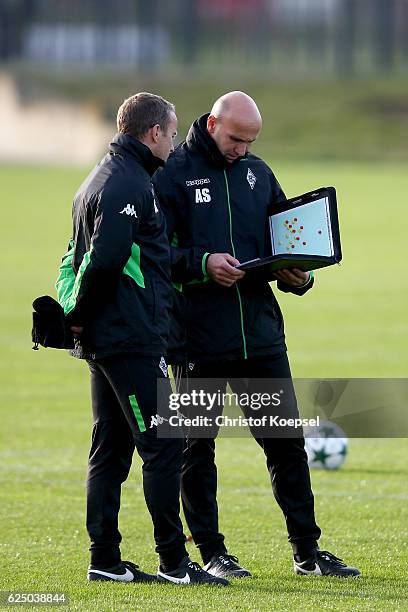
304 233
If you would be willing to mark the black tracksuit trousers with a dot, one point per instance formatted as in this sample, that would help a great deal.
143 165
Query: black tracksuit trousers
286 461
124 400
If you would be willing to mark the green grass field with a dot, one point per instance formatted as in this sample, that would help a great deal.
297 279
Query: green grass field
353 323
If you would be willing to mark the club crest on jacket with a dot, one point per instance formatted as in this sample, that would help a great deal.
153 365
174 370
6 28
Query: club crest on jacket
251 178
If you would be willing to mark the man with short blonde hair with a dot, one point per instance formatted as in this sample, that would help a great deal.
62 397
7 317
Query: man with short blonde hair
140 112
114 286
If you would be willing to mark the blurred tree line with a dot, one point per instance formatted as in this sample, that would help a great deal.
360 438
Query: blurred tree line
316 36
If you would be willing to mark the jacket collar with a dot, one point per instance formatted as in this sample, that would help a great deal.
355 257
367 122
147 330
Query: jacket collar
200 140
127 144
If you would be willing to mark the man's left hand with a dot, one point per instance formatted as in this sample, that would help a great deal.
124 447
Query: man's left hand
294 277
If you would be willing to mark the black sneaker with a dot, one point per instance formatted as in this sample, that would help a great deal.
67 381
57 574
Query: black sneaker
226 566
126 571
190 573
324 563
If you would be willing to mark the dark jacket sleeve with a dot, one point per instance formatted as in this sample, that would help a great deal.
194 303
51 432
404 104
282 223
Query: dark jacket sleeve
187 263
278 195
297 290
115 216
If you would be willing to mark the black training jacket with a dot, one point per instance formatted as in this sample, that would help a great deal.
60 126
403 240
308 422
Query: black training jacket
115 278
212 206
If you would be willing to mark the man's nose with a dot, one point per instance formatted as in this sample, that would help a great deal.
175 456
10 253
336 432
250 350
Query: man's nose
241 149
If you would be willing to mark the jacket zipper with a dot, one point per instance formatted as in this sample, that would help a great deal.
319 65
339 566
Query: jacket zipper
236 283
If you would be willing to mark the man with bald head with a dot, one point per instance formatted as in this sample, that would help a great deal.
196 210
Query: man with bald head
216 197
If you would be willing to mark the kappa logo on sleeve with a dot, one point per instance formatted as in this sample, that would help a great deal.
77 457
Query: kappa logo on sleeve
156 420
129 210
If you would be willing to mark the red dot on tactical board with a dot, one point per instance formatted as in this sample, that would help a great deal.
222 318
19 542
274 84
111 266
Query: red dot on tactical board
297 238
293 231
290 226
293 246
301 227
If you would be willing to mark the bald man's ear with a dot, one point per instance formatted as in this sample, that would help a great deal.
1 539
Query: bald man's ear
211 122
